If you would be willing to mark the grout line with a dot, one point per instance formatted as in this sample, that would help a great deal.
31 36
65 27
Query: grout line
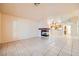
71 47
60 50
46 51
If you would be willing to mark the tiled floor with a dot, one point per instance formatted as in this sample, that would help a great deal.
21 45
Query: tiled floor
41 46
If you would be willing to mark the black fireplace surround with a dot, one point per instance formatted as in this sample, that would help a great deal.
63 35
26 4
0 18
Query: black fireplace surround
44 32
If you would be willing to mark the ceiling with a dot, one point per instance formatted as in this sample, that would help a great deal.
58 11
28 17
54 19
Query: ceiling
30 11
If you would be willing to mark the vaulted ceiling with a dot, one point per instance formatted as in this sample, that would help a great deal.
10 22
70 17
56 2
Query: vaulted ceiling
30 11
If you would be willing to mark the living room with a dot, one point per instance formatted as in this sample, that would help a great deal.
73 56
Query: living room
20 24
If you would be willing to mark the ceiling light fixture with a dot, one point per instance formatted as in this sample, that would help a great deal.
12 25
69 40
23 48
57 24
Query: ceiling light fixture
36 4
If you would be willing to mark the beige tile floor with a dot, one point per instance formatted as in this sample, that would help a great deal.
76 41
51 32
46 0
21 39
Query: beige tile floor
41 46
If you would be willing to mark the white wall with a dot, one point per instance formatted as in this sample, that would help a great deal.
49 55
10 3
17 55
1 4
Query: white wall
15 28
41 23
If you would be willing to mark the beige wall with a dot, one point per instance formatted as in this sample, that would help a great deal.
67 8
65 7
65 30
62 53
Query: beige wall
0 27
15 28
6 28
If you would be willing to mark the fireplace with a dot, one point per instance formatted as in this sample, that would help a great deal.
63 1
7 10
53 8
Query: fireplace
44 32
